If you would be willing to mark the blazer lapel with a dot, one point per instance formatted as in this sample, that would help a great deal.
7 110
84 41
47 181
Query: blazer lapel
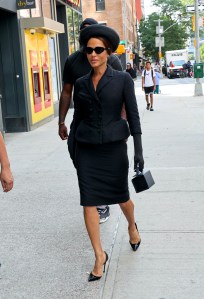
105 79
108 75
89 85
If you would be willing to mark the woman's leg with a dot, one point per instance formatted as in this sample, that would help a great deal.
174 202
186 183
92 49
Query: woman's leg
128 210
91 218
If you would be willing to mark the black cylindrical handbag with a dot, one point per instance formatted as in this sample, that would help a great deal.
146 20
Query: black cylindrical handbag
142 180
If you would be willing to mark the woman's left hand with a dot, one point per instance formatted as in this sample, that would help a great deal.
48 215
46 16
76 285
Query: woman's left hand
138 162
138 158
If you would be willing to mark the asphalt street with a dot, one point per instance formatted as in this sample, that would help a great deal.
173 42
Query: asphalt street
45 252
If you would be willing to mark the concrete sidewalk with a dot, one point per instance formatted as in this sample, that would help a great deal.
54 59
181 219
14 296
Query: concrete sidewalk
45 252
170 261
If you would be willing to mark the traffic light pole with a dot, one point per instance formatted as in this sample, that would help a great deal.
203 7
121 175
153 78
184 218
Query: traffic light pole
160 43
160 33
198 91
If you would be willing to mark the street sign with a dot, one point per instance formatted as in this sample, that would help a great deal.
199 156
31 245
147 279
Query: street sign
159 28
191 8
157 41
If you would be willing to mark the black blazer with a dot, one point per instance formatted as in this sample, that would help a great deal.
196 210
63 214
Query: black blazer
98 113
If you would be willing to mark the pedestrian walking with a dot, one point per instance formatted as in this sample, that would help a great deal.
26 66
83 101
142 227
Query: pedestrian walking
157 80
135 69
130 70
75 67
101 150
148 84
6 176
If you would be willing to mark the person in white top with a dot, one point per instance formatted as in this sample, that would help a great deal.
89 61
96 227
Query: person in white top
148 84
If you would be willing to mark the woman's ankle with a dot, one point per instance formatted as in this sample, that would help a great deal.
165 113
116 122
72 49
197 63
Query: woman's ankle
99 254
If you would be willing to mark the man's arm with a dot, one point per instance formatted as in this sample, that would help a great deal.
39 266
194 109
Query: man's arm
64 104
154 81
142 83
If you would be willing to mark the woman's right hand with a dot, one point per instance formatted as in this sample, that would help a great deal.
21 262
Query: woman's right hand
63 132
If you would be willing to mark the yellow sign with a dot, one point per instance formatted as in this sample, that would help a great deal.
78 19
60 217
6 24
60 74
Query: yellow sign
120 49
193 22
194 43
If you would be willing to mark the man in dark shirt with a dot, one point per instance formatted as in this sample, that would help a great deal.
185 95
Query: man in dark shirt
130 70
76 66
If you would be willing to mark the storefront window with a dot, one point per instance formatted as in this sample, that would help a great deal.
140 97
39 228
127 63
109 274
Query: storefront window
77 22
70 30
74 20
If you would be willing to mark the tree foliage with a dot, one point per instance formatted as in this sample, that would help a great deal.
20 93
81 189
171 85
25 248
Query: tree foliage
174 17
202 53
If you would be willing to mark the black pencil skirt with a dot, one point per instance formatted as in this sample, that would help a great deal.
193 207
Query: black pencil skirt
102 171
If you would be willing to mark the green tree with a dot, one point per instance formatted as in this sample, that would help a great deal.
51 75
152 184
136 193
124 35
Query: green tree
172 13
175 37
170 7
188 2
202 53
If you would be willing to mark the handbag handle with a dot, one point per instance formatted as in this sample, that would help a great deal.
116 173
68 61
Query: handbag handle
137 169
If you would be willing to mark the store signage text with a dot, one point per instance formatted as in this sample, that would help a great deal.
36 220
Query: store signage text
25 4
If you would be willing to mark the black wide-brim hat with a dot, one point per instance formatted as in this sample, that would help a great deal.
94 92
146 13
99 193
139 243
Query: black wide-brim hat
100 31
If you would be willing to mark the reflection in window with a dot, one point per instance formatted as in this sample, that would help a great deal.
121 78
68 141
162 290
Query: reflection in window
74 20
70 30
100 5
76 29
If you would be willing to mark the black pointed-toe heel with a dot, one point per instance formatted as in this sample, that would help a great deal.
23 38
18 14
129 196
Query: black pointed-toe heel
93 277
136 245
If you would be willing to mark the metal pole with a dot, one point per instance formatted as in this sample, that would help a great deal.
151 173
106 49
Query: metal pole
198 91
160 46
159 24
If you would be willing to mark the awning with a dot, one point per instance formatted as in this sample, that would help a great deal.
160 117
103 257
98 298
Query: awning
47 24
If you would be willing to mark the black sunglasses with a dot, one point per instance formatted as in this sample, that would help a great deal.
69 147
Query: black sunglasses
97 50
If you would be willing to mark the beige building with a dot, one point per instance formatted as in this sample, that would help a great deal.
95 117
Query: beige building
118 14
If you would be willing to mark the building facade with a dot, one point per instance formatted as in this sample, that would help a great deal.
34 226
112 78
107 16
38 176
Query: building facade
13 108
120 15
36 37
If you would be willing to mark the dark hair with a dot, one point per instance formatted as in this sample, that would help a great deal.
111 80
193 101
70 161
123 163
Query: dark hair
148 62
106 44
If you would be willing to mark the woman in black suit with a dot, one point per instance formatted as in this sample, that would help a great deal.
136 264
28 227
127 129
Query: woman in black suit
101 151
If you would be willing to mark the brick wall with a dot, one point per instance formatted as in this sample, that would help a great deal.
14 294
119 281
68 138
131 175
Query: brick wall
118 14
46 8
